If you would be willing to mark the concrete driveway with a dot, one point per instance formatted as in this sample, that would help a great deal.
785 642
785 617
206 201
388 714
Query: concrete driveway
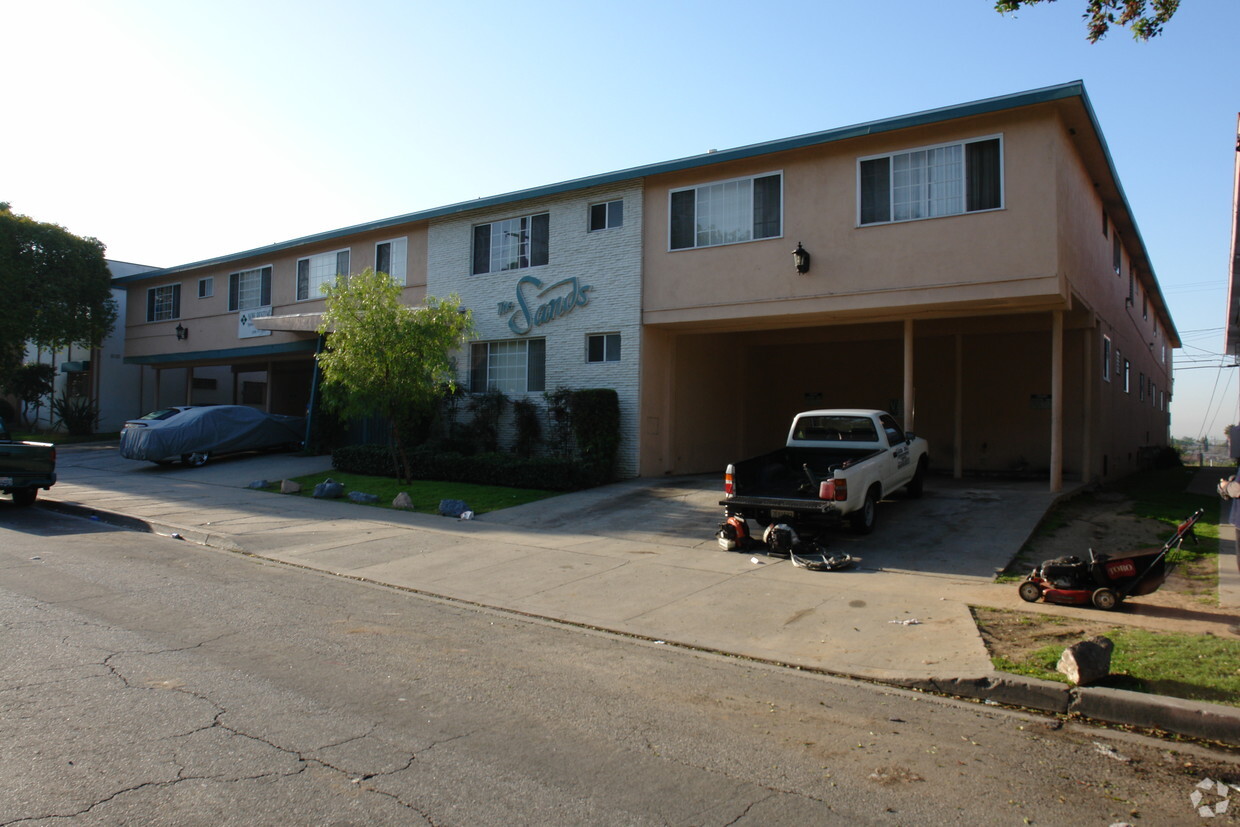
958 529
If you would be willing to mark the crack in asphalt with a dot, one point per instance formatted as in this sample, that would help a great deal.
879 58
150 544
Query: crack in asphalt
302 760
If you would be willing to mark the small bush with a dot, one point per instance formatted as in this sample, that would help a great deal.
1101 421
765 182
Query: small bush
560 416
596 428
372 460
77 413
529 427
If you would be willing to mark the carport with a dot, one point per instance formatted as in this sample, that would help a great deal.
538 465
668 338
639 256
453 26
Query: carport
1000 393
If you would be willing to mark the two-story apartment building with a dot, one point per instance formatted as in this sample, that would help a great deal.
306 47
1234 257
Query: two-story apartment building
976 269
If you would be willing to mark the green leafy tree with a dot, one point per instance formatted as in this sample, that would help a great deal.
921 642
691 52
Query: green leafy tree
386 357
1144 18
56 289
30 383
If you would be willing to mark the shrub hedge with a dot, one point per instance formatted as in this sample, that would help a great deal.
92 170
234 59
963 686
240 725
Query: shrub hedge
547 473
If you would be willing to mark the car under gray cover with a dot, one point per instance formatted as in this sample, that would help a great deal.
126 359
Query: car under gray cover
211 430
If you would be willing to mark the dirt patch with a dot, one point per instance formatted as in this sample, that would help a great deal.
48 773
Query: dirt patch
1014 636
1105 522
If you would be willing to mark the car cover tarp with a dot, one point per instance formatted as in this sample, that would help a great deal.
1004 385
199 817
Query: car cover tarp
218 429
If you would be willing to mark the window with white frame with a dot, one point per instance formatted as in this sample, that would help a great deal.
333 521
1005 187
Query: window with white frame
511 366
392 257
603 347
206 287
726 212
313 272
1117 256
249 289
931 182
606 216
512 244
163 303
1127 376
1106 358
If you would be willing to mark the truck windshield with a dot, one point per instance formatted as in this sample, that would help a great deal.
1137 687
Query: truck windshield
835 429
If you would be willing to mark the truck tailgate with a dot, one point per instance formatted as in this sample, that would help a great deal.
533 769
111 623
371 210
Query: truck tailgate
782 504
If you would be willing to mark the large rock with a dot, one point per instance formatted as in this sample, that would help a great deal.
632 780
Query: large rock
452 508
1087 662
289 487
329 489
403 500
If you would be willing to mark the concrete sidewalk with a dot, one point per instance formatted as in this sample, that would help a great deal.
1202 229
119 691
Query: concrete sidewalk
639 558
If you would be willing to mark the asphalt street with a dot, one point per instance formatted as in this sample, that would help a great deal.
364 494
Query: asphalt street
152 680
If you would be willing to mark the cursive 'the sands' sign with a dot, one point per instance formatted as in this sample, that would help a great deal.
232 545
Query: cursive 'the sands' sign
537 304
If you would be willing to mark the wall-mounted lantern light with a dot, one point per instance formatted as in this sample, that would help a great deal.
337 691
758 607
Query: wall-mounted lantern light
182 333
800 258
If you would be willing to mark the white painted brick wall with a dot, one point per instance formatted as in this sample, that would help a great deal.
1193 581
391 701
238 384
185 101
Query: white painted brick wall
609 261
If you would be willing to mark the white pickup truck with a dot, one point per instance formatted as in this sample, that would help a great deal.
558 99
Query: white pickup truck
836 464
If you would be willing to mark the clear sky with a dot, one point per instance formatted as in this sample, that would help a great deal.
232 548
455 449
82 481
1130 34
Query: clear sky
177 131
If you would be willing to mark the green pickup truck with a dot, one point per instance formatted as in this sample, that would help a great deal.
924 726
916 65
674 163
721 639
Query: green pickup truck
25 467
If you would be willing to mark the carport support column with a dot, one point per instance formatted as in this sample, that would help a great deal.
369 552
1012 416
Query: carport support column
1056 401
909 423
958 435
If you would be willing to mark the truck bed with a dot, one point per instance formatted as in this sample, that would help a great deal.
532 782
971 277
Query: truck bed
780 475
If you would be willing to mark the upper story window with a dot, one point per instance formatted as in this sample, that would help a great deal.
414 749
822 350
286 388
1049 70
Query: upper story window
1105 223
931 182
727 212
1106 358
606 216
391 257
249 289
512 244
315 271
163 303
206 287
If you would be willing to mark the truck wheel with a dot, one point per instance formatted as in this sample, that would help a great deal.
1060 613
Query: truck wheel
1105 599
25 496
917 486
862 519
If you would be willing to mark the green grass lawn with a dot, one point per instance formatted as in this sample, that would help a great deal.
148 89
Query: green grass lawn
1201 667
425 494
1195 667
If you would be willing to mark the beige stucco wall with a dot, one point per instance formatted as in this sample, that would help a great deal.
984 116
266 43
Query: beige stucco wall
1007 255
213 328
737 341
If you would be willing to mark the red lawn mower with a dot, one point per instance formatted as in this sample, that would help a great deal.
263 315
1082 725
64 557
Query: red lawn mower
1105 580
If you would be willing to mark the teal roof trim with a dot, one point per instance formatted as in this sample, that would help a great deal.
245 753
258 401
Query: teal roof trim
930 116
307 346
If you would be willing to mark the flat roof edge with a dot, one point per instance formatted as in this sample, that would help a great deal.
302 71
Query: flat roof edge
1015 100
307 346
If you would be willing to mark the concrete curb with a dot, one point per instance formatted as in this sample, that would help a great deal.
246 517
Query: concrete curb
193 535
1194 719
